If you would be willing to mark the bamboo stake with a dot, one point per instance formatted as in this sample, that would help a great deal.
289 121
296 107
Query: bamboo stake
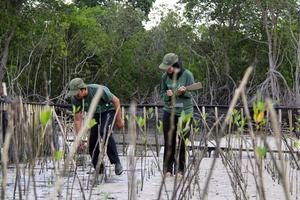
1 124
216 118
131 154
156 136
4 156
123 131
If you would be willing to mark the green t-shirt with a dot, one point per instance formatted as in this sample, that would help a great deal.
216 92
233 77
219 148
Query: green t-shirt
182 102
104 104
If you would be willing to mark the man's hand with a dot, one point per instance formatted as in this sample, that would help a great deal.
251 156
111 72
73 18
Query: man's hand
120 123
181 90
81 147
170 93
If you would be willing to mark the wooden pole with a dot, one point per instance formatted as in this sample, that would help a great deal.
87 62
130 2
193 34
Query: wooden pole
217 117
123 130
156 136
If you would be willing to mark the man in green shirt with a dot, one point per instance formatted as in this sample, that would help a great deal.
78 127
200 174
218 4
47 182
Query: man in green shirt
176 100
81 96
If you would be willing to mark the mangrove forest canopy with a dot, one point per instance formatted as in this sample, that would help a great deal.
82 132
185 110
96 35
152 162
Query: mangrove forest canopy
46 43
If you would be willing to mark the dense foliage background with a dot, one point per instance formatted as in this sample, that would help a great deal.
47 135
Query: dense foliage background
46 43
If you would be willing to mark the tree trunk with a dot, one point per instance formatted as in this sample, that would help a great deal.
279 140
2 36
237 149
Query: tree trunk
272 51
11 8
4 55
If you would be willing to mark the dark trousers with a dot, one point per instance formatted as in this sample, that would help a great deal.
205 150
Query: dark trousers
170 145
100 130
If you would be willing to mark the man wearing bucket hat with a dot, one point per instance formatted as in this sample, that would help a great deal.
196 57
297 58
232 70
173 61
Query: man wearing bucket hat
81 95
176 100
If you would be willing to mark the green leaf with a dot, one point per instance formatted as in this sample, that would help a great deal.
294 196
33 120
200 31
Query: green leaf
150 110
140 121
195 122
75 109
92 123
144 140
45 116
186 128
204 116
160 127
255 109
296 144
182 115
291 128
298 119
58 155
261 152
180 124
186 141
188 117
261 106
243 122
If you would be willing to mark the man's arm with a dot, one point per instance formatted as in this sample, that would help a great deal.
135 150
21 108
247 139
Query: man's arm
116 102
77 122
182 90
164 92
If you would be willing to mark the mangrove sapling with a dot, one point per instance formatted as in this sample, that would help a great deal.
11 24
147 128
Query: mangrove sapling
72 187
102 149
239 121
291 151
158 123
260 150
183 127
157 164
237 179
142 124
281 168
206 127
234 100
197 158
206 136
31 170
18 171
186 181
194 130
79 181
62 130
235 166
235 182
157 167
254 145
